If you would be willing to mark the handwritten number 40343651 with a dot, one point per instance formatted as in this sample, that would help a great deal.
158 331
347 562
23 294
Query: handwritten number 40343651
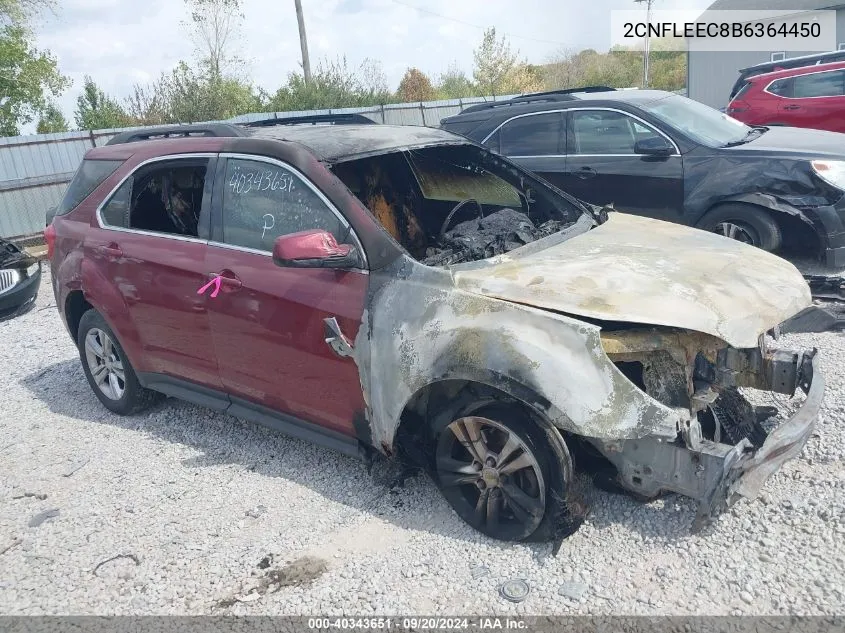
267 180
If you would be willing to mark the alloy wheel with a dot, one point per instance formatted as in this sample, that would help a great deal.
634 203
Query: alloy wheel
104 364
735 231
491 477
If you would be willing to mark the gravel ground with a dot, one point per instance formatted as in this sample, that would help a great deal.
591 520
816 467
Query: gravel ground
186 511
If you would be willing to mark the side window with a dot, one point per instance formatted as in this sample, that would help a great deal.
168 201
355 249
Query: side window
829 84
262 201
607 132
89 176
742 90
781 87
492 143
533 135
163 197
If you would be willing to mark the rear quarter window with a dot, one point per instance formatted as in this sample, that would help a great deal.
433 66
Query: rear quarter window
89 176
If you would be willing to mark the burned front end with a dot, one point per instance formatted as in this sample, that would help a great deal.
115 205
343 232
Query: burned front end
725 447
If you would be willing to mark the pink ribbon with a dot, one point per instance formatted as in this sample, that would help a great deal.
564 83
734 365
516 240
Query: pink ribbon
214 282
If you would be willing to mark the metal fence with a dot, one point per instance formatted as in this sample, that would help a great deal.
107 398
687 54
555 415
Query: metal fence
34 170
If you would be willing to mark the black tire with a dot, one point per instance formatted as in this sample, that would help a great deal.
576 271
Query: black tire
754 225
548 496
133 397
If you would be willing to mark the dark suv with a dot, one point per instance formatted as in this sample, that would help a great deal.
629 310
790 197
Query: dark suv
403 291
664 156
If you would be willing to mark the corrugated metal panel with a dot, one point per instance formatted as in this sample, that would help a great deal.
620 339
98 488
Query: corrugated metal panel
23 211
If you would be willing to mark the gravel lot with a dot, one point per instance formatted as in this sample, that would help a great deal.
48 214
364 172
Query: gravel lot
207 514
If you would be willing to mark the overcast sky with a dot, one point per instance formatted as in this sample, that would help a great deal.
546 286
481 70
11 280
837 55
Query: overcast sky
121 42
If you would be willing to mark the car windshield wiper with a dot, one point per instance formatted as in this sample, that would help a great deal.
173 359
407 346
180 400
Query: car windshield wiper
753 133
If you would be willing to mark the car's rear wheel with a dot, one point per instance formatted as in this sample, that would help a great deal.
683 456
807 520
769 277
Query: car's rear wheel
744 223
495 467
107 368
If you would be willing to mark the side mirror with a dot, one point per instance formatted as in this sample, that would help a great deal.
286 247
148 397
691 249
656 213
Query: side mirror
653 146
315 248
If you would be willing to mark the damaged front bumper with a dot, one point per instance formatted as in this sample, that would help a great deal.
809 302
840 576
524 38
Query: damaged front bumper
745 470
715 473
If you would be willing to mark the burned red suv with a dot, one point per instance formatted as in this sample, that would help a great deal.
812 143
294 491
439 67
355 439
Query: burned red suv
404 291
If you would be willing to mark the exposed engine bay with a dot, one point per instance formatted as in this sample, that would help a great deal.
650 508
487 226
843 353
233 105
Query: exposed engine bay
449 205
483 237
724 435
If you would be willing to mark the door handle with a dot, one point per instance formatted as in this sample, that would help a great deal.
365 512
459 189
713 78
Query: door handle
586 172
227 278
112 250
792 107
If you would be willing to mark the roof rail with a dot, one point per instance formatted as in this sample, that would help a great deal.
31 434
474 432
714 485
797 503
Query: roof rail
537 97
312 119
173 131
569 91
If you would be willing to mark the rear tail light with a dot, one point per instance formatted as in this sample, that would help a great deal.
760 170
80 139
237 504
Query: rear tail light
737 106
50 238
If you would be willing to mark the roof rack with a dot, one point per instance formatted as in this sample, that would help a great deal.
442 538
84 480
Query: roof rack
175 131
537 97
312 119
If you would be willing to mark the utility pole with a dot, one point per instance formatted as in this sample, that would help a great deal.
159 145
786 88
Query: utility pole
303 42
648 4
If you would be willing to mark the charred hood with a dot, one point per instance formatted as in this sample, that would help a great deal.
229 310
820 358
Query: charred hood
647 271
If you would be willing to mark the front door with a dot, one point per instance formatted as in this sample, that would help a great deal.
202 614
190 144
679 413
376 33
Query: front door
602 166
536 142
149 245
816 101
267 321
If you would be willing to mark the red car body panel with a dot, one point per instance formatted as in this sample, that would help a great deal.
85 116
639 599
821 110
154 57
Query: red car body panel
270 337
757 103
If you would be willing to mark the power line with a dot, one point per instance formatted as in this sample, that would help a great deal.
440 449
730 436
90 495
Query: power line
483 28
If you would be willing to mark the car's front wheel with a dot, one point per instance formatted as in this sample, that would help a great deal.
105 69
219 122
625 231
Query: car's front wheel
744 223
107 369
497 470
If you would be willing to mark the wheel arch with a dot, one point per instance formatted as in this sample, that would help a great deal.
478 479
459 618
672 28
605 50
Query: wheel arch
101 294
789 218
456 396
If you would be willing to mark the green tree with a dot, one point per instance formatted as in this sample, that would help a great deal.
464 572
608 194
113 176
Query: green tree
21 12
52 121
493 61
454 84
209 88
621 67
28 76
415 86
333 85
189 95
215 27
97 111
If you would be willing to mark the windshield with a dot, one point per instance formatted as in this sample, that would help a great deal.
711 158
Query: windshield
455 204
701 123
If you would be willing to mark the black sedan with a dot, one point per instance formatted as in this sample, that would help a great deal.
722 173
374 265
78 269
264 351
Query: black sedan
20 277
664 156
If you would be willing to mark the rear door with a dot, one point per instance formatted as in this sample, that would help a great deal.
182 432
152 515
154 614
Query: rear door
603 168
147 247
267 321
817 101
535 141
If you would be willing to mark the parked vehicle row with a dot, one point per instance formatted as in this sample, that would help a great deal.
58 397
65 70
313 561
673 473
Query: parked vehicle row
805 97
409 292
661 155
20 278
